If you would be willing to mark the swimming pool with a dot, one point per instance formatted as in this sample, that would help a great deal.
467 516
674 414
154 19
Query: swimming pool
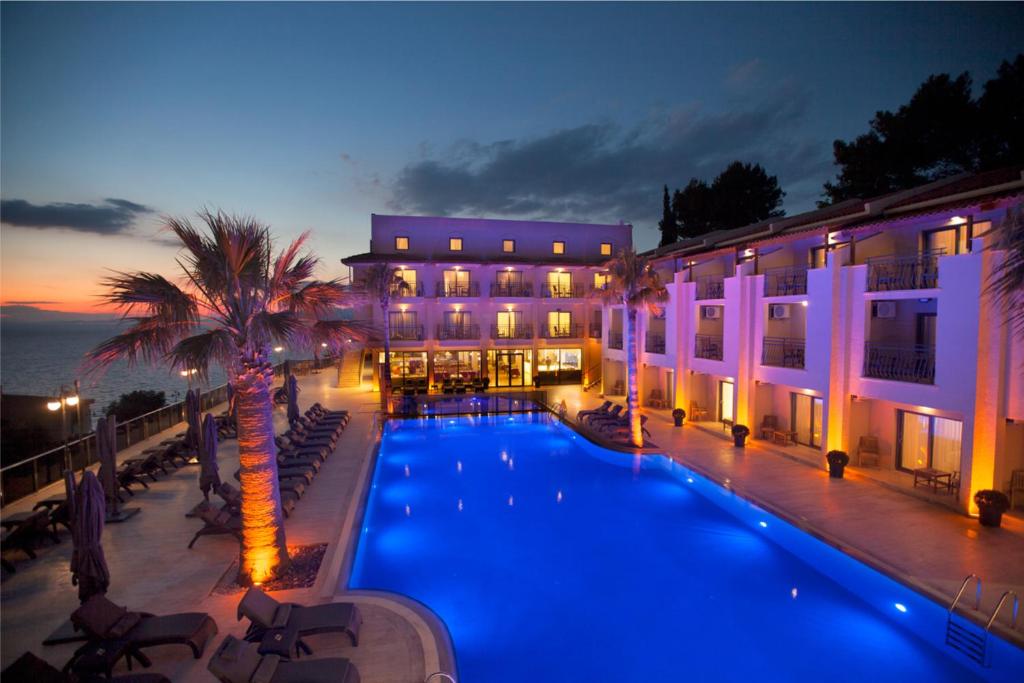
551 559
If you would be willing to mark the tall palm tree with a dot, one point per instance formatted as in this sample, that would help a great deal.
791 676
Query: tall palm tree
380 282
235 301
633 284
1006 282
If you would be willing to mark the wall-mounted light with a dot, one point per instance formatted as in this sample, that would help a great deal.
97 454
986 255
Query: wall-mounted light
458 267
804 304
457 307
957 219
509 307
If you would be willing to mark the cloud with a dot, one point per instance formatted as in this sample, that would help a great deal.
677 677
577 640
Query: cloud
109 217
609 172
12 312
29 303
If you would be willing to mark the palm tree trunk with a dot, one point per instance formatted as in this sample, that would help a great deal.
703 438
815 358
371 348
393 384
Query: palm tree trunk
264 551
385 379
632 399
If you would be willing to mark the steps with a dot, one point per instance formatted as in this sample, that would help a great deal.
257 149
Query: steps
967 638
350 374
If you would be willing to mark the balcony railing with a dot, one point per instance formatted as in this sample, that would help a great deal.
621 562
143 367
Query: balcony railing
511 289
917 271
708 346
448 332
595 330
511 331
570 331
457 290
783 352
406 333
785 281
407 291
910 363
655 343
572 291
710 287
614 340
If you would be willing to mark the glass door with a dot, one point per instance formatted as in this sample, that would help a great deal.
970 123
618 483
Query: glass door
559 324
560 284
509 322
806 419
725 400
510 283
456 283
510 368
927 441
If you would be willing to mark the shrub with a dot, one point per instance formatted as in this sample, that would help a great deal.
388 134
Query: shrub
995 500
837 458
740 430
136 403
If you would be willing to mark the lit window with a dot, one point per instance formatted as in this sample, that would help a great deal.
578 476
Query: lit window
558 247
508 246
606 248
454 244
401 244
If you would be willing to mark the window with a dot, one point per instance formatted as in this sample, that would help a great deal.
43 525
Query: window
457 320
454 244
559 323
509 323
818 257
559 284
401 244
404 326
409 277
948 241
456 283
606 248
927 441
508 246
725 399
601 280
806 418
558 247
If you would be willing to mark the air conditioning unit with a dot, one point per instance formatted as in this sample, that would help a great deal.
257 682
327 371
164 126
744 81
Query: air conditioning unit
884 309
711 312
778 311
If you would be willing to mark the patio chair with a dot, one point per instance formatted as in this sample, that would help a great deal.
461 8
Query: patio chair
218 522
657 399
698 412
603 408
29 667
619 388
265 613
1016 486
597 418
868 453
101 619
232 497
769 423
236 661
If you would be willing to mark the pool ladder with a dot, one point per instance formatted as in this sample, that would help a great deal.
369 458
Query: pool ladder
967 638
440 674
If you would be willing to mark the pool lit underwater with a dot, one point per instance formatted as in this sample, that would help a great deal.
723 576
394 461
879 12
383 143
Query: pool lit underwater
551 559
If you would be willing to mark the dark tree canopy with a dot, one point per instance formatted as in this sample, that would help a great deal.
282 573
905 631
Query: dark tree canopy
941 131
667 225
741 194
135 403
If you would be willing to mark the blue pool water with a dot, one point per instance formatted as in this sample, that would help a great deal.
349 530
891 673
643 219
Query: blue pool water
551 559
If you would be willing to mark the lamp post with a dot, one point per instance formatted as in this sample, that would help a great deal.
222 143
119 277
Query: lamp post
66 399
187 373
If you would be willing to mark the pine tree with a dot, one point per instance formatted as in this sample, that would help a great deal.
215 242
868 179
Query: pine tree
667 224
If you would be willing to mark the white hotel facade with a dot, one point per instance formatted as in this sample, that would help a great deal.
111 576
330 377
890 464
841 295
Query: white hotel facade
861 327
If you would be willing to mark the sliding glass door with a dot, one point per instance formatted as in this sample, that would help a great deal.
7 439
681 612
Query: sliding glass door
928 441
725 401
807 414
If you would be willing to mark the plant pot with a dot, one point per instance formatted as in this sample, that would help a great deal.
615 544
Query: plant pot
678 421
739 441
990 516
836 471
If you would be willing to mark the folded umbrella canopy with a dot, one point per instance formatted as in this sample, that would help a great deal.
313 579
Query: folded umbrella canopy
193 437
88 565
106 446
209 472
292 385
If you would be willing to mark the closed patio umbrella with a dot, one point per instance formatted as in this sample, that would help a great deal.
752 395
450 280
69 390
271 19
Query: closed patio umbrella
209 472
69 504
193 436
292 385
88 565
106 450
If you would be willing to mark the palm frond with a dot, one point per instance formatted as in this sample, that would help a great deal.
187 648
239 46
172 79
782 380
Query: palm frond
155 294
1006 282
148 340
318 298
339 333
197 351
282 327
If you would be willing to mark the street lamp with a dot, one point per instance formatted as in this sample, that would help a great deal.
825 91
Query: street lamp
187 373
66 399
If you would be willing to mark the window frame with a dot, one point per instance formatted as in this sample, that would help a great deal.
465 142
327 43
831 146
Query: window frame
556 249
611 249
407 242
451 244
504 246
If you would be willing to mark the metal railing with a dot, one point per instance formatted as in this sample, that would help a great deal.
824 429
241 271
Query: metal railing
407 291
512 331
451 290
489 403
570 291
595 330
654 343
916 271
710 287
707 346
511 289
406 333
614 340
570 331
783 352
447 332
785 281
911 363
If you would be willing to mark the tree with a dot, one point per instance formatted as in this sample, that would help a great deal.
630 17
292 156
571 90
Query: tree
740 195
1001 112
694 208
135 403
667 225
634 285
379 283
1006 282
235 302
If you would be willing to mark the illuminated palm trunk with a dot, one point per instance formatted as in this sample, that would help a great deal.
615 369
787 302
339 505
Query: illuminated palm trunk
385 380
632 399
264 551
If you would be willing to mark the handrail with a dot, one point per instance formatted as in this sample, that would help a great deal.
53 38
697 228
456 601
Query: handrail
999 606
963 587
442 674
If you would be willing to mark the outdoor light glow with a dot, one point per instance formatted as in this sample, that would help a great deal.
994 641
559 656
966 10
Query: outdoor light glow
804 304
900 606
957 219
793 593
323 344
403 307
72 400
763 525
278 349
53 405
689 480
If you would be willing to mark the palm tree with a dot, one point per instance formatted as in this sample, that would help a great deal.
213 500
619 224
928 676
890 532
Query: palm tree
379 283
235 301
1006 282
633 284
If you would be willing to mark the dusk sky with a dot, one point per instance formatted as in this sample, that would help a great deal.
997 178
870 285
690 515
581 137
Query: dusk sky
314 116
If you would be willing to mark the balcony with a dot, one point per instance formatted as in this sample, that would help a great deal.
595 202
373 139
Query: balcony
570 331
573 291
407 291
452 290
614 340
595 330
892 273
710 287
708 346
406 333
450 332
783 352
511 331
516 289
654 343
785 281
908 363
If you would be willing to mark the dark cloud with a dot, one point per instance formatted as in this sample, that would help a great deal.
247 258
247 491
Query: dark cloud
110 217
29 303
608 172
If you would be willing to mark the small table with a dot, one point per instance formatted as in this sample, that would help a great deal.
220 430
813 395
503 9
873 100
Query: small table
99 657
932 477
783 437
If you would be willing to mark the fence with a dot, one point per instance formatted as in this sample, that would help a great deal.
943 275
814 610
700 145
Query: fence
783 352
433 405
912 363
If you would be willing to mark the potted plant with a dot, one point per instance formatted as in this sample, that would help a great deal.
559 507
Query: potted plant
678 415
739 435
837 462
991 506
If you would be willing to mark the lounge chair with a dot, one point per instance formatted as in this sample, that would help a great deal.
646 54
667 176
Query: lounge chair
265 613
319 409
101 619
232 497
603 408
608 414
236 661
217 522
28 667
26 534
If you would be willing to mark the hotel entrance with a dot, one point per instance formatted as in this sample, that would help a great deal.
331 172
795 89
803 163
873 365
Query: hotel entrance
510 367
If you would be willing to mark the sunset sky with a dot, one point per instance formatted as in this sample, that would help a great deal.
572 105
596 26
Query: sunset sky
313 116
